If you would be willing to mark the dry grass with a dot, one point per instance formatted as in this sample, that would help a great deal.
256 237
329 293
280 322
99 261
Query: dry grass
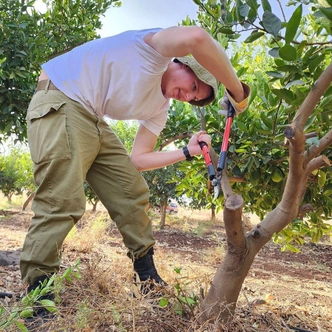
106 298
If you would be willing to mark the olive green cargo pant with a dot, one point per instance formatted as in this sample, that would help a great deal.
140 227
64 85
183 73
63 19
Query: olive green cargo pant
69 145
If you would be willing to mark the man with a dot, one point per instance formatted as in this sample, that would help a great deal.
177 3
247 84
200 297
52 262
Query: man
132 75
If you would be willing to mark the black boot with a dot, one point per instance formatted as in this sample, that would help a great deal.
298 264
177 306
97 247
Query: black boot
38 282
40 311
147 272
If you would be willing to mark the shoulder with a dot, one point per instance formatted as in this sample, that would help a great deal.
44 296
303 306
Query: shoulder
177 40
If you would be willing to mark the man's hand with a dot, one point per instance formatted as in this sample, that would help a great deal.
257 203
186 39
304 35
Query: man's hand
193 145
238 107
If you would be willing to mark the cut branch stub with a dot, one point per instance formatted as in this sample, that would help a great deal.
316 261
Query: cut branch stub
289 132
233 223
234 202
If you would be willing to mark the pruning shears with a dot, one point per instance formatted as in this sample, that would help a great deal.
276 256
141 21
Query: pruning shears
216 179
212 174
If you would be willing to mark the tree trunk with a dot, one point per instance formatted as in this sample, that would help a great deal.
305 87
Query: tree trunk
220 303
28 200
213 213
9 198
163 206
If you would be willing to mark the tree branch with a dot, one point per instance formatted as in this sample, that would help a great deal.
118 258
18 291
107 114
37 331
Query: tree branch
175 138
314 150
304 209
313 98
317 163
282 10
310 135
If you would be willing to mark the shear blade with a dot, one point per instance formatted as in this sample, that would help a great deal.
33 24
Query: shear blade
216 188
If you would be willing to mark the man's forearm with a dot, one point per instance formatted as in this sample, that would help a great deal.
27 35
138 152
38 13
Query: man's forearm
157 159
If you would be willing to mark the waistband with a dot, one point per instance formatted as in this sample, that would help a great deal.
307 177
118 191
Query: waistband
46 85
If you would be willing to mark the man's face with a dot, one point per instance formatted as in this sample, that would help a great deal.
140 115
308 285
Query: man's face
183 85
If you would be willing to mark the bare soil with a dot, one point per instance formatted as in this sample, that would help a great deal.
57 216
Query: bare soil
293 287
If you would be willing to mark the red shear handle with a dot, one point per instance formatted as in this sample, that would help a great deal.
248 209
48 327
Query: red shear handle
206 154
224 146
207 159
227 132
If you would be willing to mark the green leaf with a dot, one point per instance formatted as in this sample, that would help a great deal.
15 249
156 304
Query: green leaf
21 326
292 83
266 5
326 102
163 302
226 31
274 52
189 300
178 270
288 53
268 122
292 248
271 23
321 178
252 15
26 313
253 4
285 94
241 71
328 190
293 24
49 305
241 126
327 12
289 68
244 10
315 62
313 141
276 74
253 36
240 150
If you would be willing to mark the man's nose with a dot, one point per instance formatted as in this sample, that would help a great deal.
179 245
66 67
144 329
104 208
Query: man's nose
190 96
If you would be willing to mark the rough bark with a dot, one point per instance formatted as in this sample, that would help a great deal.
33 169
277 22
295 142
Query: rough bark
28 200
163 206
220 302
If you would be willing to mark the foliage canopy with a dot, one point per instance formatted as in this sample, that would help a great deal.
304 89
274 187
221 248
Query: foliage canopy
29 38
280 58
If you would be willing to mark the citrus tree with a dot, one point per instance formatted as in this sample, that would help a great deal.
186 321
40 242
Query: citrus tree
16 173
276 164
28 38
162 183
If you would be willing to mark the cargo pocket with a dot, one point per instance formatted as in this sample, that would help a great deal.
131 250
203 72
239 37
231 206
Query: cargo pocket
47 133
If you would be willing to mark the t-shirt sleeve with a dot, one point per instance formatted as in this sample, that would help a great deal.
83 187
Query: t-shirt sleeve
157 123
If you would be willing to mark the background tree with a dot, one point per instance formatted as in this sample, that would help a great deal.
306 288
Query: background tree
16 171
29 38
162 183
183 121
91 196
126 132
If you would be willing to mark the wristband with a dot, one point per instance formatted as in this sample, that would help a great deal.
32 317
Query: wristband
242 105
187 154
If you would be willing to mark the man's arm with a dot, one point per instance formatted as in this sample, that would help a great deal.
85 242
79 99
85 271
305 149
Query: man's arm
145 158
181 41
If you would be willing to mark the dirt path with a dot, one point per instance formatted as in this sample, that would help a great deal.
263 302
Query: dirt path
302 281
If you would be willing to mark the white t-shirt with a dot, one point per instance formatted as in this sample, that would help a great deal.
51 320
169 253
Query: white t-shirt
117 77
